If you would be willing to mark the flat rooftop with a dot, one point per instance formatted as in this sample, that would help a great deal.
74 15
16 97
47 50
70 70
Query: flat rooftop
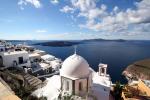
15 52
40 66
34 55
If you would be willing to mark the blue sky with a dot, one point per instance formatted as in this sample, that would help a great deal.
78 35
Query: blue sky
74 19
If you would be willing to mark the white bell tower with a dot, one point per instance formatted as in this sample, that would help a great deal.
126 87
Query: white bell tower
102 69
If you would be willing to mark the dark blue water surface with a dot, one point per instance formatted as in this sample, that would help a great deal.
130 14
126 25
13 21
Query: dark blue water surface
118 55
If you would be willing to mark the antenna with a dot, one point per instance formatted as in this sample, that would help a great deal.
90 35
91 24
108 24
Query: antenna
75 49
100 61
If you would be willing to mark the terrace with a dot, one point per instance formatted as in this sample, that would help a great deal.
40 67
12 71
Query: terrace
136 91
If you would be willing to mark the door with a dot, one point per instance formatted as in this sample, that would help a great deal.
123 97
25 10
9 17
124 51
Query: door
20 60
1 61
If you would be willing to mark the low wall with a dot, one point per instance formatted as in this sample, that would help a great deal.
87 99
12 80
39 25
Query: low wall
142 87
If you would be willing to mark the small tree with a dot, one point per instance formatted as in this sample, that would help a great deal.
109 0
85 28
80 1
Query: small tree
67 97
35 98
118 91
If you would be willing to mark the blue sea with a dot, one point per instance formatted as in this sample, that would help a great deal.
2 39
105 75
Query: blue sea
118 55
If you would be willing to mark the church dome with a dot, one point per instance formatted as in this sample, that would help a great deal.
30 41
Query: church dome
75 66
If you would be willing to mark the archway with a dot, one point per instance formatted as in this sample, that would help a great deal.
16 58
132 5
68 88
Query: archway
103 70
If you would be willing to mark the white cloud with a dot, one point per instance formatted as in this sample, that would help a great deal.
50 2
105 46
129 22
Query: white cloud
116 9
73 18
6 20
88 9
138 15
41 31
54 1
97 17
83 5
66 9
35 3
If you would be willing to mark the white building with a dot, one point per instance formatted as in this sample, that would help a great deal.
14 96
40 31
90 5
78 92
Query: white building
41 52
41 68
34 56
77 78
52 60
14 59
48 57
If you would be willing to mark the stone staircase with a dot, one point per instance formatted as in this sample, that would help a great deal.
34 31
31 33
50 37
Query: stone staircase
33 81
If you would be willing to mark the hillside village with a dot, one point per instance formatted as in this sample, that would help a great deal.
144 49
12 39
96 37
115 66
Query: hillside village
27 73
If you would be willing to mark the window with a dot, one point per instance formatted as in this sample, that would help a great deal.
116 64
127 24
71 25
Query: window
104 89
80 86
67 85
47 70
20 60
2 49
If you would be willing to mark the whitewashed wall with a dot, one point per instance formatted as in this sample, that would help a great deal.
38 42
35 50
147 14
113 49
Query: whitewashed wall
8 60
64 85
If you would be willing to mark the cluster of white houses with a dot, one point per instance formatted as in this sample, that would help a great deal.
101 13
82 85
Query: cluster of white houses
27 58
76 76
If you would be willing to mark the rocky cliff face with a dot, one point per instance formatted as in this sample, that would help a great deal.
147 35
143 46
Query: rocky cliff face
139 69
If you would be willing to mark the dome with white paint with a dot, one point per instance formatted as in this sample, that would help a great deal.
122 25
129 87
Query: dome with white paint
75 66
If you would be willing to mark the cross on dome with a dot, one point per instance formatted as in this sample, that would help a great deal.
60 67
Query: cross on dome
75 49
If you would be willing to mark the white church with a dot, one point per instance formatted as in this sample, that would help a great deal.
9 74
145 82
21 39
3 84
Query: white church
78 78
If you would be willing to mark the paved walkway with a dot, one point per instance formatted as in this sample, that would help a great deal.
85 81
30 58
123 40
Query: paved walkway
6 94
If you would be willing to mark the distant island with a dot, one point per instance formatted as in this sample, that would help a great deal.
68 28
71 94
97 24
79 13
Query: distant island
58 43
17 40
138 70
99 39
64 43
